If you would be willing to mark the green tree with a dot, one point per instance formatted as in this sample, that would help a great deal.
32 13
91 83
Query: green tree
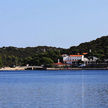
46 61
1 64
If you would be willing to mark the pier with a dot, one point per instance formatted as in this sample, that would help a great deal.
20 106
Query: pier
34 68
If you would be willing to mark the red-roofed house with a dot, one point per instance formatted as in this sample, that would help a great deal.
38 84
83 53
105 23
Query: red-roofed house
59 64
73 58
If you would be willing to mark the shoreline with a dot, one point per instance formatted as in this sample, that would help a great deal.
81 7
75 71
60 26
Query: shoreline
23 68
12 69
77 69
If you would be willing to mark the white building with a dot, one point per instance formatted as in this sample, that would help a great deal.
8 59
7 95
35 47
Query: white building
69 59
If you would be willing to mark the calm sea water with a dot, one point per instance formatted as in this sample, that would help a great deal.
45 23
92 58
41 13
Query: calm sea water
54 89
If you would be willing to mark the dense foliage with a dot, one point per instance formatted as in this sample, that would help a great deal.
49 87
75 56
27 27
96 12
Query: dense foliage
44 55
41 55
98 48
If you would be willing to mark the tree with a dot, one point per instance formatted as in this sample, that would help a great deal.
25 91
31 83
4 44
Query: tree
46 61
1 64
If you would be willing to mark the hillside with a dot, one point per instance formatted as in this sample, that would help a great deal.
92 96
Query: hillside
10 56
98 47
21 56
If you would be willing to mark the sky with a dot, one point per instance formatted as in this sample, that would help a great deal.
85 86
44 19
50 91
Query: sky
58 23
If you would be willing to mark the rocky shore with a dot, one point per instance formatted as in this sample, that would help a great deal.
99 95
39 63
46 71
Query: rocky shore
9 68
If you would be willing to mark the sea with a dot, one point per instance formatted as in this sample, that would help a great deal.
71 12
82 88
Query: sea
54 89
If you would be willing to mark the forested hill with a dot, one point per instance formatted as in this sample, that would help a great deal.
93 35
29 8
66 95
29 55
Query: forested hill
26 52
46 55
10 56
98 47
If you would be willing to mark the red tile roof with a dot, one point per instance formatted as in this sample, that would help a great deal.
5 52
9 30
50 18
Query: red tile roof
85 53
59 63
76 55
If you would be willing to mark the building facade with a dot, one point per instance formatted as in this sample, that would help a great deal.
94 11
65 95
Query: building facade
69 59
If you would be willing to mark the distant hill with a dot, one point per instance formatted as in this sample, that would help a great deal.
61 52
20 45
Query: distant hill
39 55
98 47
16 56
25 52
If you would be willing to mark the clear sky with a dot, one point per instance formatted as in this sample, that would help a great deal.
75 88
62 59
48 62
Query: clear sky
60 23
